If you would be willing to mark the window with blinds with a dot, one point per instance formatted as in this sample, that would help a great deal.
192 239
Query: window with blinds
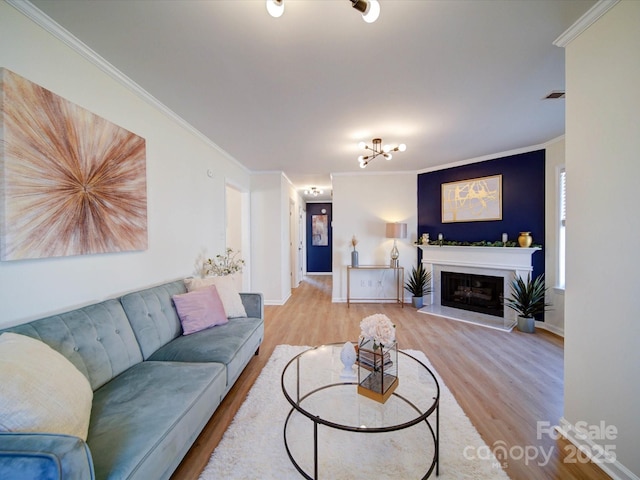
563 197
562 217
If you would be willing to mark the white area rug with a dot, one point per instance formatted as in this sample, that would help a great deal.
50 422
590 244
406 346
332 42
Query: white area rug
253 445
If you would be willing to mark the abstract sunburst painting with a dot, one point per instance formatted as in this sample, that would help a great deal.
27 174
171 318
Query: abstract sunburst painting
72 182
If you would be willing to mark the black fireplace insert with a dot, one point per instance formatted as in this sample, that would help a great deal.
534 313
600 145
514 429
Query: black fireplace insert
476 293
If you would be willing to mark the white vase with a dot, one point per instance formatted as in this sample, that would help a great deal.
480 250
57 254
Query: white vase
348 358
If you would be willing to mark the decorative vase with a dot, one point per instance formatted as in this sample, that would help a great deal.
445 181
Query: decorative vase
348 358
525 239
354 258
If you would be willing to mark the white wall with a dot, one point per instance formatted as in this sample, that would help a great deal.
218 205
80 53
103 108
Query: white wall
554 160
185 206
233 203
362 205
270 257
237 237
297 232
602 324
285 243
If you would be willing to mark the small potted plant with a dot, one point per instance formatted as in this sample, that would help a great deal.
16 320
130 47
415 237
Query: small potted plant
418 285
527 299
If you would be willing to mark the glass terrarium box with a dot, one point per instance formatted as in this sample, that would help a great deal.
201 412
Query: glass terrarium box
377 370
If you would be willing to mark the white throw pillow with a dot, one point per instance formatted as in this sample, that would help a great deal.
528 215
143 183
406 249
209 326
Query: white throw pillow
229 295
41 390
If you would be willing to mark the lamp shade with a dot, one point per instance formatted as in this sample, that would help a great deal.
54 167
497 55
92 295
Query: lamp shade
396 230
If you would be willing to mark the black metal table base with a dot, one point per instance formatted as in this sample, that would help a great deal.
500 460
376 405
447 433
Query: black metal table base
435 434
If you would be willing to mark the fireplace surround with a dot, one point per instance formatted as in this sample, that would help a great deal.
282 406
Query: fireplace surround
501 263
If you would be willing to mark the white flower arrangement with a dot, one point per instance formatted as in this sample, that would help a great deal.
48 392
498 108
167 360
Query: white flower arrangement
379 329
222 265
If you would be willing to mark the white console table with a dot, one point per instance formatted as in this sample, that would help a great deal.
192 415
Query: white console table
398 277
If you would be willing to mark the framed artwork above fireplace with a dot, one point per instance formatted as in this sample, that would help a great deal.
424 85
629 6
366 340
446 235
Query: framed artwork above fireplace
473 200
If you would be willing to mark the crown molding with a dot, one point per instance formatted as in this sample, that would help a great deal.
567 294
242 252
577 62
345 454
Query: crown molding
554 140
484 158
584 22
36 15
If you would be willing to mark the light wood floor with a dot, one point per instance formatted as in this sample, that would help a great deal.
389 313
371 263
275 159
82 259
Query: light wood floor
505 382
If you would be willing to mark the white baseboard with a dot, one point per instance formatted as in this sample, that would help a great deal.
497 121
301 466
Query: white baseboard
587 447
278 303
274 303
550 328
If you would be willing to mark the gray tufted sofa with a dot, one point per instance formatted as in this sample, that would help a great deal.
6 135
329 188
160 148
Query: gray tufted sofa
154 389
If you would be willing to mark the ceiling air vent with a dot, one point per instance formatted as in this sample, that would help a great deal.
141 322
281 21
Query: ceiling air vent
555 94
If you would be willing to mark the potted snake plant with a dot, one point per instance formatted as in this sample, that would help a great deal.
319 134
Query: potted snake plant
527 299
418 285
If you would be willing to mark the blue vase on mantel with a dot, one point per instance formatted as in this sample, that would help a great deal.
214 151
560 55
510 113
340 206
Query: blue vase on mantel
354 259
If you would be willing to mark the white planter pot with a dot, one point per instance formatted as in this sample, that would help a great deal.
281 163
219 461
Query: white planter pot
526 324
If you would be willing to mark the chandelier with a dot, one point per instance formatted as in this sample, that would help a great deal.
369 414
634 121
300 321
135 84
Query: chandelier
370 9
313 191
376 150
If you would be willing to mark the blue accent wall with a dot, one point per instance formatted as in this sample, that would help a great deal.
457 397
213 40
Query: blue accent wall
319 258
523 202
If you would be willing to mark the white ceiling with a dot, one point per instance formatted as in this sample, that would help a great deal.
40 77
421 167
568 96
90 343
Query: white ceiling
452 79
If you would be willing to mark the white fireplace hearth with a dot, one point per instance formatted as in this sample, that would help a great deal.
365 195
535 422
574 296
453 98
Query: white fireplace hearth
505 262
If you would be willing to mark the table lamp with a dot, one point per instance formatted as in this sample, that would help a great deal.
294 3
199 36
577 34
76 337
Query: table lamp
395 231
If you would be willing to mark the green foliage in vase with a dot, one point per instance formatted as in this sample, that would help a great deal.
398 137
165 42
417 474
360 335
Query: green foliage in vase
481 243
419 283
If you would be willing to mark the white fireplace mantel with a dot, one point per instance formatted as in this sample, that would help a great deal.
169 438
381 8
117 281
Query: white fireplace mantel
505 262
500 258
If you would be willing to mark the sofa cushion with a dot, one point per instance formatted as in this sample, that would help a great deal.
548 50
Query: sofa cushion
144 421
153 316
200 310
41 390
97 339
230 344
227 290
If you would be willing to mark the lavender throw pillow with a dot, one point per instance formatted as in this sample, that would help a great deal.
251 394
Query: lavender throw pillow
231 300
200 309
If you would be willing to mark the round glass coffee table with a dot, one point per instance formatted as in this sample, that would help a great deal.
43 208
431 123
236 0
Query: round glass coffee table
333 430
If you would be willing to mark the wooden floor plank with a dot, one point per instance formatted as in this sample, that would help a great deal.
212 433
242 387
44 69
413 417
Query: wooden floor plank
505 382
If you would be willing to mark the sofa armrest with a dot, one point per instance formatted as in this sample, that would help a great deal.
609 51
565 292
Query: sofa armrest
47 456
253 304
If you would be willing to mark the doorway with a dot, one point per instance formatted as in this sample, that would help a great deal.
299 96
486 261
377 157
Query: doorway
319 238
